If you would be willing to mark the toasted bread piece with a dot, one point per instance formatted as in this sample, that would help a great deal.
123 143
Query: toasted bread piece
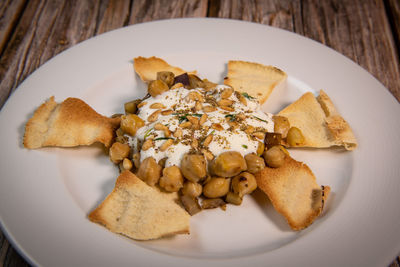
71 123
147 68
255 79
294 192
319 121
139 211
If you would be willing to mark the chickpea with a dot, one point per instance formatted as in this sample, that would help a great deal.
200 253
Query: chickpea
193 167
195 82
172 179
275 156
216 187
284 150
167 77
136 160
157 87
130 123
149 171
244 183
281 125
118 152
131 106
126 164
295 137
162 162
233 198
260 148
192 189
254 163
228 164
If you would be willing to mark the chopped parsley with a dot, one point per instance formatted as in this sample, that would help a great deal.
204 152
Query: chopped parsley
231 116
246 95
260 119
162 138
245 146
147 133
183 117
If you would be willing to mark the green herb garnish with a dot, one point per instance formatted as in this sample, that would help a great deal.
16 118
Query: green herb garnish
162 138
246 95
244 146
147 133
183 117
260 119
231 116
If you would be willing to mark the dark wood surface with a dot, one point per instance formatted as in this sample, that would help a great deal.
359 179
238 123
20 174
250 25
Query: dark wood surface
32 32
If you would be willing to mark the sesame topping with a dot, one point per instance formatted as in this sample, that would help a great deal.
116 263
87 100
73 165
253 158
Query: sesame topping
199 121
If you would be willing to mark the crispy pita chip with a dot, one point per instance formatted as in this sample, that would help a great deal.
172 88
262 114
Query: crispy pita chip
319 121
139 211
255 79
71 123
294 192
147 68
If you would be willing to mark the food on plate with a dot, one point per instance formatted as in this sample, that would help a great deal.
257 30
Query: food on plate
147 68
254 79
191 144
294 192
319 123
71 123
197 135
139 211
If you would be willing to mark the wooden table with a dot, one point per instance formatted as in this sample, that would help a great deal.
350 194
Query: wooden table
32 32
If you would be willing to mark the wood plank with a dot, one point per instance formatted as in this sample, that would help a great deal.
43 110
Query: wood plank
110 22
12 59
143 11
47 28
393 12
10 11
284 14
8 255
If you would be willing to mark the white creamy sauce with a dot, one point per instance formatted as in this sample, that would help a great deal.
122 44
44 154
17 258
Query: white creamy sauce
226 139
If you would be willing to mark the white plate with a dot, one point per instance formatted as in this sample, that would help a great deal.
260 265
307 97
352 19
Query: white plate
46 194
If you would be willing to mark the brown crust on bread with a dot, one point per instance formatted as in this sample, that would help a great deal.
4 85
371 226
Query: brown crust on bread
71 123
339 128
139 211
319 121
253 78
147 68
294 192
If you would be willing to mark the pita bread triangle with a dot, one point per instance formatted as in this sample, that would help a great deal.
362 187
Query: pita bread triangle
139 211
319 121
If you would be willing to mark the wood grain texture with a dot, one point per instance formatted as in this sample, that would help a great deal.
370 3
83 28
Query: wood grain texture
9 257
32 32
143 11
393 14
10 12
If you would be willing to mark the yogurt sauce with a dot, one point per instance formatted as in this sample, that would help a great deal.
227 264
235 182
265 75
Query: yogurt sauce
232 128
